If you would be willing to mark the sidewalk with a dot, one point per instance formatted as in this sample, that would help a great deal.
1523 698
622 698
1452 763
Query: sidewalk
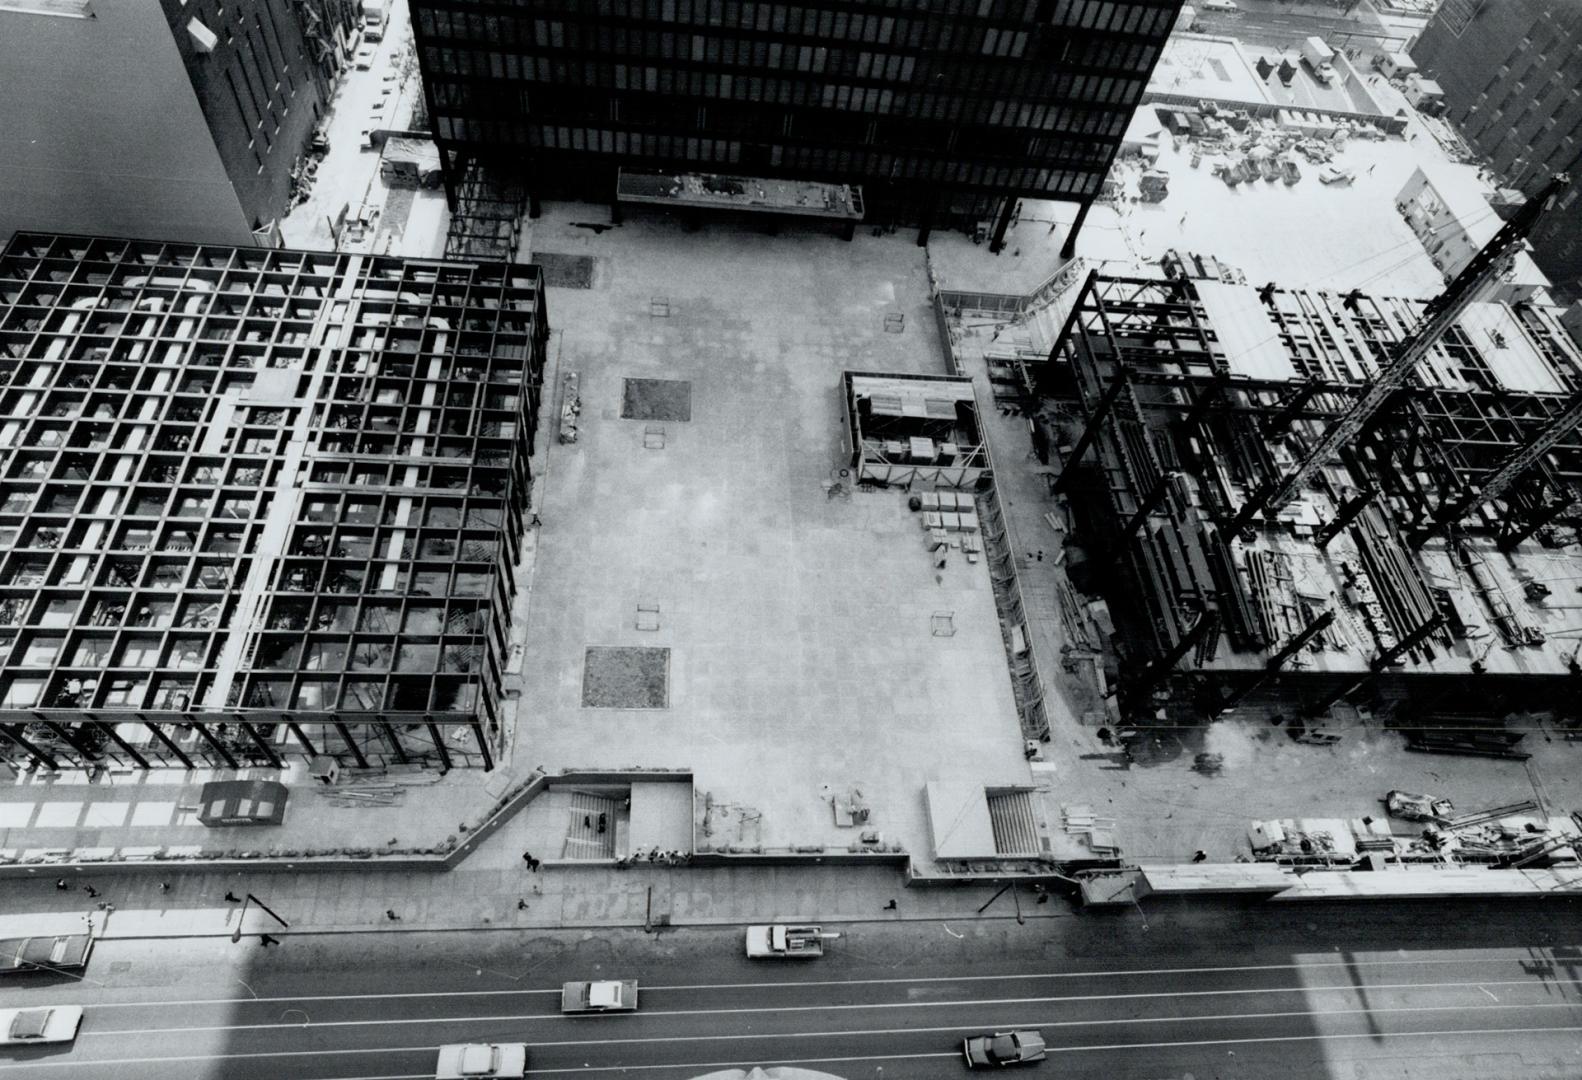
557 898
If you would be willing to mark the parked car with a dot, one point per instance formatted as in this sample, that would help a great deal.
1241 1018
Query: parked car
462 1060
1334 174
364 58
612 995
30 1027
1409 806
68 952
1003 1048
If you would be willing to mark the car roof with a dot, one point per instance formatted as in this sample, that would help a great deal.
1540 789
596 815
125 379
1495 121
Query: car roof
30 1023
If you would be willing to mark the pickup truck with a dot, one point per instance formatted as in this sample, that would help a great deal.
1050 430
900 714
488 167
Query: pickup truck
599 997
66 953
785 942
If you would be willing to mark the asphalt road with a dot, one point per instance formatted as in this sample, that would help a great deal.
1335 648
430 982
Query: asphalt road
1287 29
887 1000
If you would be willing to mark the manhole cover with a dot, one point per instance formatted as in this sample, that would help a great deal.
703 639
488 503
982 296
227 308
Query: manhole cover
565 271
656 399
617 677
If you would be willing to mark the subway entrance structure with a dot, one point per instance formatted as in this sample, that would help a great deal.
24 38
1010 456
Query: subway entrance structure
258 504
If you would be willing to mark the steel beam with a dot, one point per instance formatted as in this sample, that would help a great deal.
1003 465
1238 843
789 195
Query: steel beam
159 733
1090 431
1344 516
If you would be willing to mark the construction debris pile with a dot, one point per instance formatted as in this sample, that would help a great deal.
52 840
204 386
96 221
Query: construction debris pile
1517 836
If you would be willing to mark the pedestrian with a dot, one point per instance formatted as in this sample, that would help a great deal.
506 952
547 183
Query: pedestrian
1375 165
391 915
587 821
1182 221
602 822
1199 855
266 940
521 904
91 891
1043 897
61 884
1040 556
652 855
527 857
232 897
534 865
164 886
891 906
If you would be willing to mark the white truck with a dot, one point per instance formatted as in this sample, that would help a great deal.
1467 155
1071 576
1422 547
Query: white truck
786 942
376 13
1320 59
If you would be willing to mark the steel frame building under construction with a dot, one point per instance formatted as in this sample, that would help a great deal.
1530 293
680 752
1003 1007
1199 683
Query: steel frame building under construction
258 503
1433 543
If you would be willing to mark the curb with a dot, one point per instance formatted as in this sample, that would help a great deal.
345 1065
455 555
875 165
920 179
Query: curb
109 933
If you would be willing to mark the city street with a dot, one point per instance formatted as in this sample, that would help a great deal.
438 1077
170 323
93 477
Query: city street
1276 26
890 1000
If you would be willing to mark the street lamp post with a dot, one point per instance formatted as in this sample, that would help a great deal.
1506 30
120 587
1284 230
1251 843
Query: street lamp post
241 916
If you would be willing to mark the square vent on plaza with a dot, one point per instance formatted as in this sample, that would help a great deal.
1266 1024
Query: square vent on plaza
616 677
656 399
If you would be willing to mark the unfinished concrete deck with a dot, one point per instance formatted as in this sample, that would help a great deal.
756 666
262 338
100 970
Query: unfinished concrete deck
802 662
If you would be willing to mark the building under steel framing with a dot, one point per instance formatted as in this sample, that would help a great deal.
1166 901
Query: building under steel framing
258 503
1405 559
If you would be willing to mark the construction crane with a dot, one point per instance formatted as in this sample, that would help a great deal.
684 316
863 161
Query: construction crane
1441 312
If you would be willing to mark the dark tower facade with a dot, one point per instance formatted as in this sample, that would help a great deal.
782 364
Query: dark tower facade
945 111
1511 71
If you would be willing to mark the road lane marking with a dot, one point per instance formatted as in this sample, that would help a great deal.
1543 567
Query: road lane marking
973 1002
954 1030
1515 957
907 1057
426 1049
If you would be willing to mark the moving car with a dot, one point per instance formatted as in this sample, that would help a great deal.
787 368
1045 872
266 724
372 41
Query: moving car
598 997
68 952
1003 1048
30 1027
462 1060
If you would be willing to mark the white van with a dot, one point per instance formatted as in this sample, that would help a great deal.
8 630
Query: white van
1224 7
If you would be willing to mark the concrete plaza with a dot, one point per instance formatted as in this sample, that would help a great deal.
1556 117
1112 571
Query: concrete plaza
802 663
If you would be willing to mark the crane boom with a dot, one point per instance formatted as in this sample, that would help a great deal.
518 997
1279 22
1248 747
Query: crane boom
1499 479
1441 312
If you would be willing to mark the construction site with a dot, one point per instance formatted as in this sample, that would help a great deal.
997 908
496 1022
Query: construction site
1300 506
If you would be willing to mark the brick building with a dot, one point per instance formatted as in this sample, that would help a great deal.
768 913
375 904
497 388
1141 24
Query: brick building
1511 73
173 118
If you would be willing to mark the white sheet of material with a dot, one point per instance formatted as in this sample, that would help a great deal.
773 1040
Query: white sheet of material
1248 336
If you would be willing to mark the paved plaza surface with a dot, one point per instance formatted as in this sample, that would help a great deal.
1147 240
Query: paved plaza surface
801 659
